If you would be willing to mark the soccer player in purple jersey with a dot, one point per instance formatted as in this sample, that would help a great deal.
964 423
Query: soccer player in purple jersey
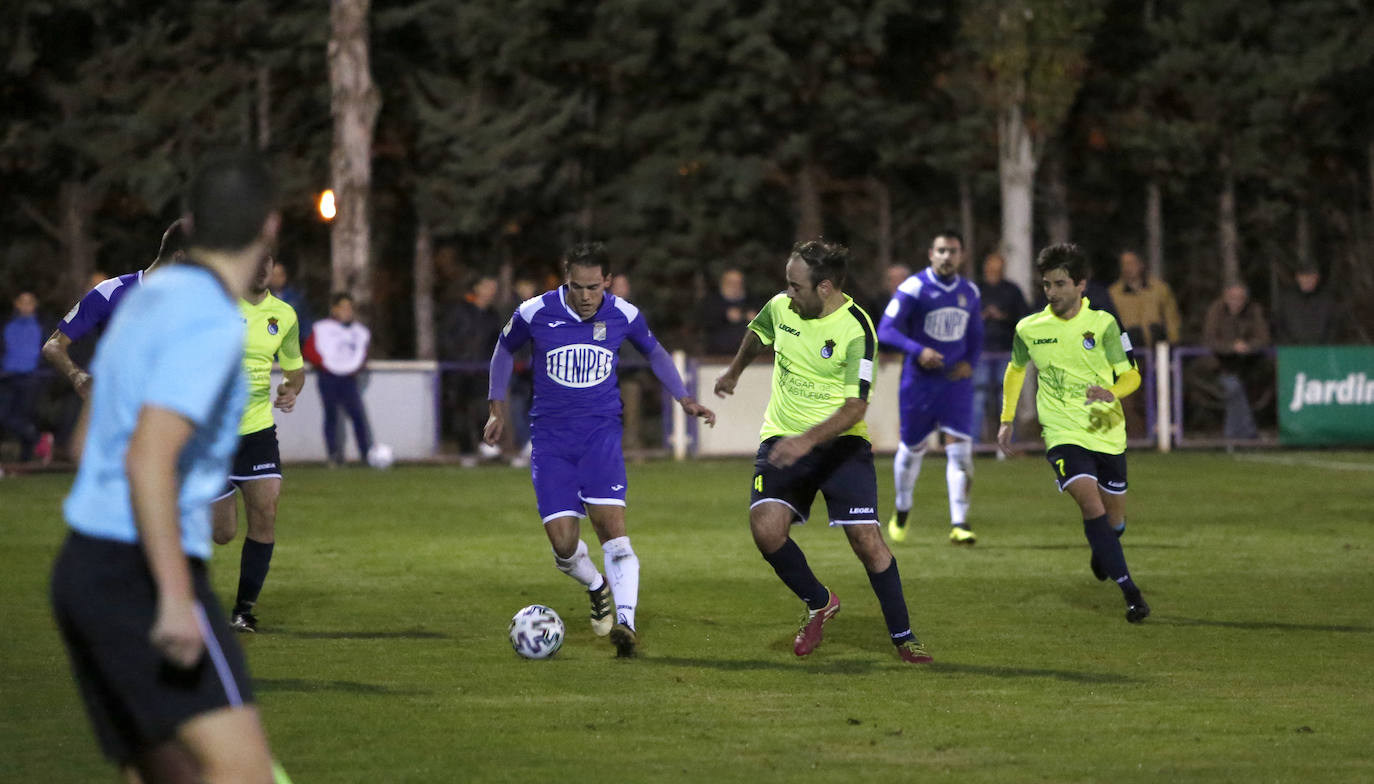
576 463
935 317
94 310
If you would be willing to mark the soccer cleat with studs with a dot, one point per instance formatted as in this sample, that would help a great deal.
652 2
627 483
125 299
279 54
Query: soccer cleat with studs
244 622
962 534
913 652
811 631
1137 610
603 609
625 640
896 531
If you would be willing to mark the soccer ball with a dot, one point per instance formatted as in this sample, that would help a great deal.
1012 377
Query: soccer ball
380 457
536 632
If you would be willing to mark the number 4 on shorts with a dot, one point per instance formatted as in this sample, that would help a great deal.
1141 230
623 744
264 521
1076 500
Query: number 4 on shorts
758 483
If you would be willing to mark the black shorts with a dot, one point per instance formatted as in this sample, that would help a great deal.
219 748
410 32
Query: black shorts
258 457
1071 461
105 602
841 469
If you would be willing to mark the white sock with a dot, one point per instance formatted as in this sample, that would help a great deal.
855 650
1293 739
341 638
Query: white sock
622 569
905 469
959 476
579 567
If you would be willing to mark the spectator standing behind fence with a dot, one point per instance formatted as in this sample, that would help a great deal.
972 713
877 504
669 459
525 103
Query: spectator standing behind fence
1307 315
338 349
1149 315
725 314
1004 304
23 344
468 334
1235 330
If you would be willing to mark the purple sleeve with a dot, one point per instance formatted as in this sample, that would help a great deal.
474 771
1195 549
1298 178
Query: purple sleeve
897 312
666 371
92 311
515 333
498 376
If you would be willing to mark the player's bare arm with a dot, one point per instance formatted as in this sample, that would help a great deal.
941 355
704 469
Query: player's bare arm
151 465
749 349
1004 438
55 350
695 409
789 450
496 422
293 381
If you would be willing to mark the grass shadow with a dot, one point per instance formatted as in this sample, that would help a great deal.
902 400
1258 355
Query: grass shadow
303 685
1068 676
812 666
1263 626
412 634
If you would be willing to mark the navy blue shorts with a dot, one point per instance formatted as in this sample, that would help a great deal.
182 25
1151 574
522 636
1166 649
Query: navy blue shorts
932 401
1070 461
105 602
258 457
572 467
840 469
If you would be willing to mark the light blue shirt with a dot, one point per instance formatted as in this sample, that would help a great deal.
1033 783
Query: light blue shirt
176 344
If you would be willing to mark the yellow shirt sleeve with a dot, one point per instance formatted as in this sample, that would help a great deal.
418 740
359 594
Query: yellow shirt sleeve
1012 381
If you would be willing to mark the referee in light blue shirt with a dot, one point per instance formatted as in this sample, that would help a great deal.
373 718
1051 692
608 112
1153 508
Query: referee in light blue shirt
161 674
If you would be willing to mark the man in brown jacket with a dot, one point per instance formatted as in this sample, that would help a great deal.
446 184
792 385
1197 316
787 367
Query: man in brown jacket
1149 315
1236 331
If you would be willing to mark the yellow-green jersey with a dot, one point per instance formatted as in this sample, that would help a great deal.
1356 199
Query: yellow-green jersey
1070 356
819 364
270 330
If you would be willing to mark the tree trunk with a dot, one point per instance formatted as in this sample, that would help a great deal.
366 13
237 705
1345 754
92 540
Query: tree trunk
967 226
1303 239
882 204
1016 170
264 103
1371 182
424 291
1058 224
810 225
1228 236
74 223
1154 226
354 104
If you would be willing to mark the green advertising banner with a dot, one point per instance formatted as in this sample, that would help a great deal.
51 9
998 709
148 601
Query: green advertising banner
1326 395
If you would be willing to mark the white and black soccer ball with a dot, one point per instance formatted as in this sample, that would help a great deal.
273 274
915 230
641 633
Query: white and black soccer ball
380 456
536 632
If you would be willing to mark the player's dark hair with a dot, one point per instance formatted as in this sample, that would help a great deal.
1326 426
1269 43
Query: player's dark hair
824 260
1065 255
229 199
949 234
588 254
340 296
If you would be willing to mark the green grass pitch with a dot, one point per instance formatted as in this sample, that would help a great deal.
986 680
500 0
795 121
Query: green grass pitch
384 658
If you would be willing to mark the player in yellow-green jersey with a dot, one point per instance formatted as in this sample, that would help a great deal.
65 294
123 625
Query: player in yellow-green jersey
1085 368
270 330
814 438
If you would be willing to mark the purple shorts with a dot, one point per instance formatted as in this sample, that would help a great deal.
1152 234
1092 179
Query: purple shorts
933 402
576 465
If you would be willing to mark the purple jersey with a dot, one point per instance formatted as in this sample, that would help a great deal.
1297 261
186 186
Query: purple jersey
926 312
98 305
575 361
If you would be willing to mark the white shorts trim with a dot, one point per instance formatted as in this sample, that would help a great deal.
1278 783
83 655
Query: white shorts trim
223 496
1072 479
834 523
233 478
957 434
797 518
578 513
601 501
1110 491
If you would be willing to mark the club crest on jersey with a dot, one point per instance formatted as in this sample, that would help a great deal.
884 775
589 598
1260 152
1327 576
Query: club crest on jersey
963 301
272 325
1089 341
599 330
828 350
